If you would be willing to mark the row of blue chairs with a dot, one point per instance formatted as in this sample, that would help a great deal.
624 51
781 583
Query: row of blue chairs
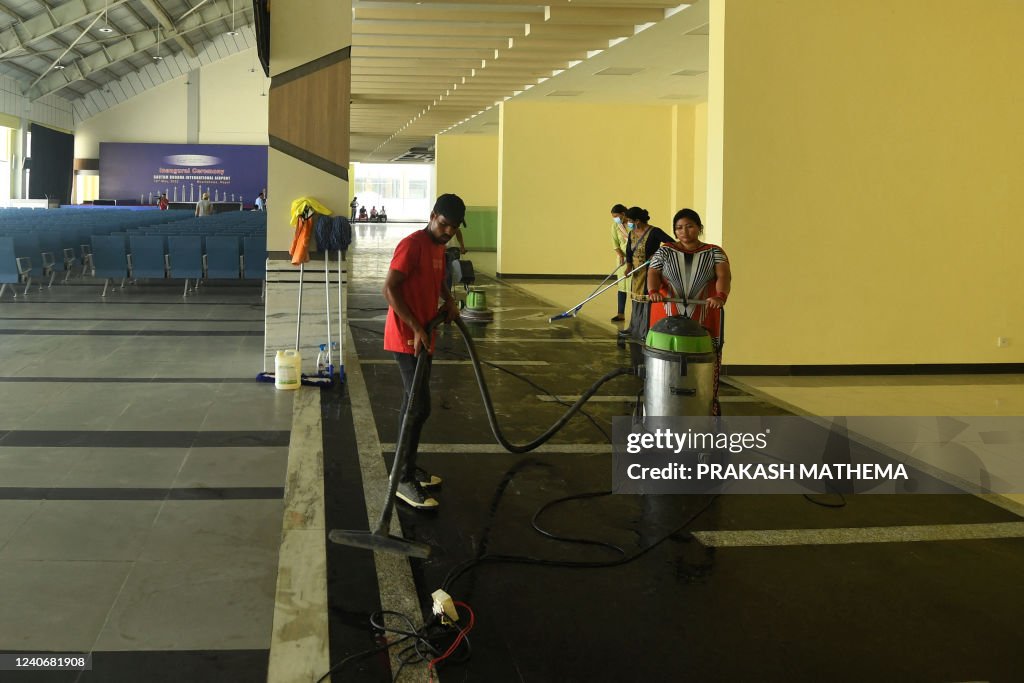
192 257
39 244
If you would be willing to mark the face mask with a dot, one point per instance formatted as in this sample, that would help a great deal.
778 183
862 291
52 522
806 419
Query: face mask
618 221
630 225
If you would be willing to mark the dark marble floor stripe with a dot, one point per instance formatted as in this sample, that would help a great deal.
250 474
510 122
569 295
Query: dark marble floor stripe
144 439
133 333
134 380
352 589
169 666
138 320
218 493
108 302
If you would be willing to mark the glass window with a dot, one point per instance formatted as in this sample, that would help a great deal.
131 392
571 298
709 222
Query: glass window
405 191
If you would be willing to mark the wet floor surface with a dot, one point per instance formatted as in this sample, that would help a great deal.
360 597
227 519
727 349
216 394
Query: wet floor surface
681 611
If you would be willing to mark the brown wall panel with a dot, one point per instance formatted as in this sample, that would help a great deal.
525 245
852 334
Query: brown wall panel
311 112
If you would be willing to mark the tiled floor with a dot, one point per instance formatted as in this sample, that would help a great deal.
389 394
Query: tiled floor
143 491
141 477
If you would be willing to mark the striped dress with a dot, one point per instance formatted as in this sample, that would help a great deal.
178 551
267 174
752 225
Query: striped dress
690 275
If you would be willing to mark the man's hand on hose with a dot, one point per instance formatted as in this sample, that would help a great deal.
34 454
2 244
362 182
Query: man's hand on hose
420 338
451 310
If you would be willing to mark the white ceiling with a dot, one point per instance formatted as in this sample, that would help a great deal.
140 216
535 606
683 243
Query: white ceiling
418 68
653 59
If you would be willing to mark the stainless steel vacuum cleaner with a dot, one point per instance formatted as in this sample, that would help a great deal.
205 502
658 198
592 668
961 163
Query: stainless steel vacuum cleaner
679 369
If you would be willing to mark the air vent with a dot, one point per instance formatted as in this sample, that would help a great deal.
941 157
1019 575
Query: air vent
689 72
619 71
565 93
417 154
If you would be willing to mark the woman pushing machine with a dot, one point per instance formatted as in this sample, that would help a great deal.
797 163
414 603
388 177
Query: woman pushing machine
690 269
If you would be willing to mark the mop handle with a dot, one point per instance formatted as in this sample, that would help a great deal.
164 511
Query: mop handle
609 275
572 311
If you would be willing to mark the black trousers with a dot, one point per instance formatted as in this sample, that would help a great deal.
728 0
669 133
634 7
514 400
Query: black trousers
407 366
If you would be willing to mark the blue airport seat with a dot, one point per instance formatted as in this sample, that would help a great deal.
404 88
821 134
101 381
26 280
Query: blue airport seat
12 270
255 258
222 260
148 256
186 256
109 259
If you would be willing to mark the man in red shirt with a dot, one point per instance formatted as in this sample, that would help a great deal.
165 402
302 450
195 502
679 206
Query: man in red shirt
163 202
414 284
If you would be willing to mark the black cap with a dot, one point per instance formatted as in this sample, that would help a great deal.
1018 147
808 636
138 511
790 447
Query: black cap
452 208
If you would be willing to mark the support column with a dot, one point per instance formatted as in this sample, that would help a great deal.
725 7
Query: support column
308 131
192 126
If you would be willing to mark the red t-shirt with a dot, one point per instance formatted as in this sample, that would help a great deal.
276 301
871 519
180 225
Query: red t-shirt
421 260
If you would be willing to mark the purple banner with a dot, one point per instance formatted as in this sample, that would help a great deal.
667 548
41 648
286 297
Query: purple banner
143 171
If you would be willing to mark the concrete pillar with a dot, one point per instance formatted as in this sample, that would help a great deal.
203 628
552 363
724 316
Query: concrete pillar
192 125
308 132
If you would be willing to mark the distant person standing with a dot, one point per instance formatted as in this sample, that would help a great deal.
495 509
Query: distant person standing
620 242
354 206
204 207
162 202
261 203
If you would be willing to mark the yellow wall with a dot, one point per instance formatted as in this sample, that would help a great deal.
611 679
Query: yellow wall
468 166
562 167
297 40
157 115
682 163
231 111
871 186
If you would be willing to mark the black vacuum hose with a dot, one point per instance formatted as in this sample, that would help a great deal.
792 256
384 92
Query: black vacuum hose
489 405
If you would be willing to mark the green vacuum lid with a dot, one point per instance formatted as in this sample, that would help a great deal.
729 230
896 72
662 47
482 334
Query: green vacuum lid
679 334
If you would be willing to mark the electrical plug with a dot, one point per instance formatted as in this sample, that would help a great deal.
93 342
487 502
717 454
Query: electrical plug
444 607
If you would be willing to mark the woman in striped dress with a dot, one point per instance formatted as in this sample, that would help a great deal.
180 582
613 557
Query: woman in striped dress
691 269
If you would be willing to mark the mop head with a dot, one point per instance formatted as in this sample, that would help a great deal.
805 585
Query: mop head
307 380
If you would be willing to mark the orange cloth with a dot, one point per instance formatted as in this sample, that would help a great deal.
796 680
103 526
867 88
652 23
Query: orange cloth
300 242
